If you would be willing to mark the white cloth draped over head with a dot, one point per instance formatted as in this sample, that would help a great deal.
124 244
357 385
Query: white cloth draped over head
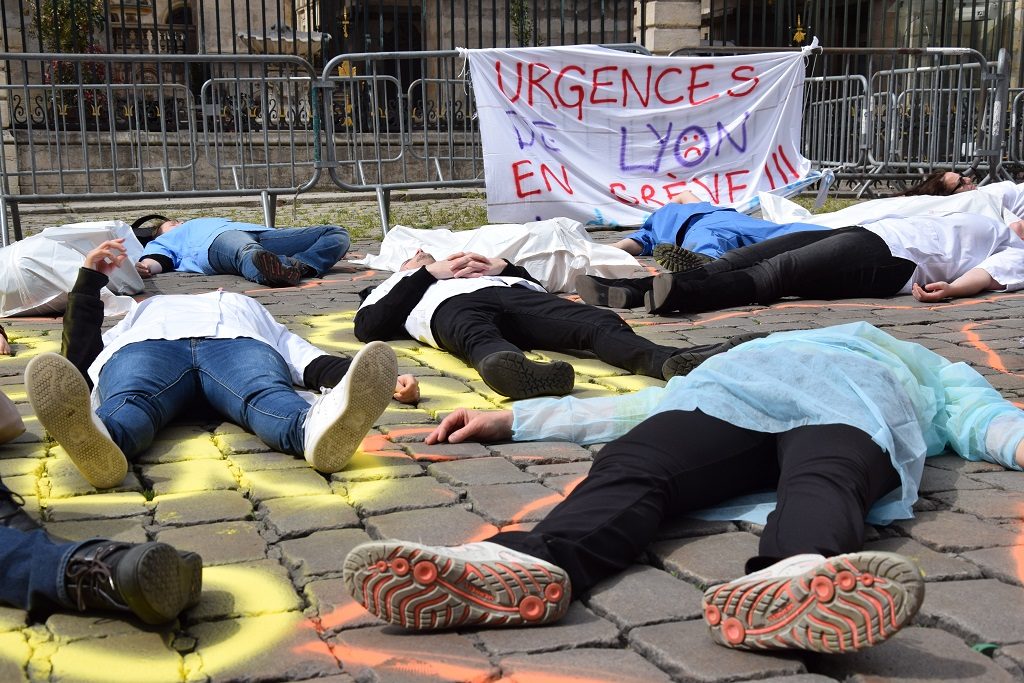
554 251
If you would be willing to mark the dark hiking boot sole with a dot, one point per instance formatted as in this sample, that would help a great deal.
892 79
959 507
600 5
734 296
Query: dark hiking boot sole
846 603
419 587
157 582
274 272
599 294
683 362
676 259
656 300
60 398
514 375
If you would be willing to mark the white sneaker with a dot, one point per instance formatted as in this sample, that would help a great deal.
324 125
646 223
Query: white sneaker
477 584
60 399
809 602
337 422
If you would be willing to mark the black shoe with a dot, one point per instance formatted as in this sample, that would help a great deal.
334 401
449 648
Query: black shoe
599 291
11 513
676 259
660 298
274 272
152 580
514 375
685 360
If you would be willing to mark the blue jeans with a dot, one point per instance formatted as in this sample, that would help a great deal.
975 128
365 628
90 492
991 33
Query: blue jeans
318 247
32 567
145 384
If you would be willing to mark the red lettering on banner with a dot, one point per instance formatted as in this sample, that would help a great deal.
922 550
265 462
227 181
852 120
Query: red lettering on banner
713 194
519 177
734 187
657 86
645 96
548 175
535 83
670 189
577 89
627 200
768 173
739 78
596 84
519 81
694 85
647 195
782 153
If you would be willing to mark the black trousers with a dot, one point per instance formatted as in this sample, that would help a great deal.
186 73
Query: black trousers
474 325
827 478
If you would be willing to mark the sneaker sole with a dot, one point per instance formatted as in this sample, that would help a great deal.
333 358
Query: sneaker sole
684 362
157 582
275 272
676 259
844 604
418 588
597 294
514 375
661 289
60 398
371 385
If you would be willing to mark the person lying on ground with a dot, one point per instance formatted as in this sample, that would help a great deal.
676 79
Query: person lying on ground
838 421
5 344
267 256
931 257
11 424
223 347
486 311
703 230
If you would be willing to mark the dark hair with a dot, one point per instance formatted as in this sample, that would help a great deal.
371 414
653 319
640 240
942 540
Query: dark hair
148 234
932 185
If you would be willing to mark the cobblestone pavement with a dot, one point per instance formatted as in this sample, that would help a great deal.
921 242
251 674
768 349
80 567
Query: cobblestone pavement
273 532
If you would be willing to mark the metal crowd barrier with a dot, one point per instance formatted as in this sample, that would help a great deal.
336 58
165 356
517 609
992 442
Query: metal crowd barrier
115 127
1016 151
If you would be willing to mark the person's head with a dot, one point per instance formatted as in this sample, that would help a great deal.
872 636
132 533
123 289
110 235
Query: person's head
942 184
417 260
166 227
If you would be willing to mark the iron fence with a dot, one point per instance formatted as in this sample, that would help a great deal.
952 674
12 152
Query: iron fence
1016 130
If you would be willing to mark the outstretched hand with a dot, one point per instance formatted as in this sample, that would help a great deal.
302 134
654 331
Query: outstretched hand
106 257
473 425
931 292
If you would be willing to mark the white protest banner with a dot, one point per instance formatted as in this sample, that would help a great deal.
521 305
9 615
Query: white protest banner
606 137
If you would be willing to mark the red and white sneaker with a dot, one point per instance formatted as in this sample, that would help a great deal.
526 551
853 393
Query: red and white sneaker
477 584
809 602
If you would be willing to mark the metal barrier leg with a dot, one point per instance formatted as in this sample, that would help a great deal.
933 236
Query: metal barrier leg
269 202
16 221
384 206
3 222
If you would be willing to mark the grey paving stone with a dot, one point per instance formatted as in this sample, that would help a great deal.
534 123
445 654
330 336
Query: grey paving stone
244 589
986 610
504 504
490 470
71 626
708 560
444 452
436 526
685 527
16 652
195 475
1015 655
990 503
999 563
913 654
644 595
685 650
11 618
1010 481
394 495
578 467
396 656
12 467
269 460
936 566
589 664
958 464
954 531
330 602
384 464
269 484
541 452
218 543
200 447
265 648
136 656
937 479
321 553
99 506
578 628
298 516
200 507
130 530
232 444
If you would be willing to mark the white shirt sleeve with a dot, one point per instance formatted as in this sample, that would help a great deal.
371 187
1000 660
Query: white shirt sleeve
582 420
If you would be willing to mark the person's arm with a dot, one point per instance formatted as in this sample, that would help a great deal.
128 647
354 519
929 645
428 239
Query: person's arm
972 282
82 339
5 344
517 271
980 424
328 371
384 319
630 246
10 421
154 264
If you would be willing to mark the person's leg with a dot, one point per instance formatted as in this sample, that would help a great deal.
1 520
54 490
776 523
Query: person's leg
31 564
517 578
317 249
236 252
830 475
847 262
613 292
468 326
535 320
